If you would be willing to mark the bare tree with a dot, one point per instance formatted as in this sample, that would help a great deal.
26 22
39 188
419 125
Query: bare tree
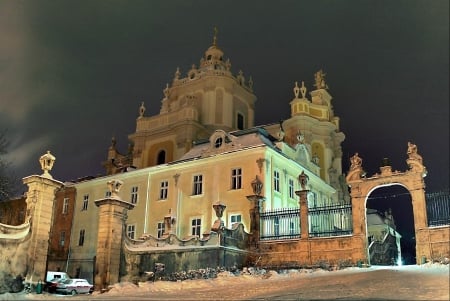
8 181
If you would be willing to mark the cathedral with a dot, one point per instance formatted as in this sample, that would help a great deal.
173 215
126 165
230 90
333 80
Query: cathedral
201 185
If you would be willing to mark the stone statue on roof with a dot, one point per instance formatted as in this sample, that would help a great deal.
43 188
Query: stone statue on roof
319 78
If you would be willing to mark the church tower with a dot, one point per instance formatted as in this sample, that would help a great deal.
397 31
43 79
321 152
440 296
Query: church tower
314 125
207 98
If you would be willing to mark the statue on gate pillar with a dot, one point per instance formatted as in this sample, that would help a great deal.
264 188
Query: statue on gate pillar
414 160
356 171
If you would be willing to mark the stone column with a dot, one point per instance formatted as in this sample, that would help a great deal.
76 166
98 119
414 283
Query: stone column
303 203
40 199
111 226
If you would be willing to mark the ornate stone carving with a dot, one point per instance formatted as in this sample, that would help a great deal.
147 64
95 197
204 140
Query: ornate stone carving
114 187
141 110
414 160
319 78
303 179
355 161
47 160
296 90
257 186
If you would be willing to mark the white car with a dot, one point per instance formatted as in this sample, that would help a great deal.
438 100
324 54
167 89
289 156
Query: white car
74 286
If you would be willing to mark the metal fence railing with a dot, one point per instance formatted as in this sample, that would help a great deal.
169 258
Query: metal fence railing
438 208
331 220
280 224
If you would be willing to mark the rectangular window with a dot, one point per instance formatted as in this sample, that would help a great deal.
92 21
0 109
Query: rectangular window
198 185
196 225
291 189
65 208
81 239
160 229
163 191
62 238
107 194
134 194
85 202
276 180
236 178
235 218
131 229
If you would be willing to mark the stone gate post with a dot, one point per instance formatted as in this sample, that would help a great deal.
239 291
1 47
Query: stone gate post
303 204
111 226
40 199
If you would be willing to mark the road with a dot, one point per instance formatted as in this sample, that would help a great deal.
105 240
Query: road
374 283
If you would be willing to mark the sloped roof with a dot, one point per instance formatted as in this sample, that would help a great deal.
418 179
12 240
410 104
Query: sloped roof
237 140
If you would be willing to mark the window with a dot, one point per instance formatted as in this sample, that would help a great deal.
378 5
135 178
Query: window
160 229
161 157
276 225
65 208
276 180
85 202
134 194
240 121
81 239
236 178
312 199
131 230
235 218
62 238
107 194
291 228
198 185
196 225
291 189
163 190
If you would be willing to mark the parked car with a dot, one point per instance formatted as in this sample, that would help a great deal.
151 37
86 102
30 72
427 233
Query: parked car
51 285
74 286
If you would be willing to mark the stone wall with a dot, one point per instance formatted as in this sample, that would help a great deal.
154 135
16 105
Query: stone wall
330 251
212 251
14 245
433 244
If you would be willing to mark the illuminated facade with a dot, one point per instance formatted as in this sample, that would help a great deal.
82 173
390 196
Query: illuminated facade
203 149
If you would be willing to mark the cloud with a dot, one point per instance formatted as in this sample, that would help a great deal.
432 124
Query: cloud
22 155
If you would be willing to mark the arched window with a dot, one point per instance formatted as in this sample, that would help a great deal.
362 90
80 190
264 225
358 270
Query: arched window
161 157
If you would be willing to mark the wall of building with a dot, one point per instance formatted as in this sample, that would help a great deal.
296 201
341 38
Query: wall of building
61 229
12 212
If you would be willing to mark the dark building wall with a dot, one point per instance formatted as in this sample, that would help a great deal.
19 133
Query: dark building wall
62 223
13 212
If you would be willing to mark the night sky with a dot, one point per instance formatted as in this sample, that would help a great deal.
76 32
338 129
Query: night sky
73 73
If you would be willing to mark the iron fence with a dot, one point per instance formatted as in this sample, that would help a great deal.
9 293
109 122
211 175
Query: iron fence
331 220
438 208
280 224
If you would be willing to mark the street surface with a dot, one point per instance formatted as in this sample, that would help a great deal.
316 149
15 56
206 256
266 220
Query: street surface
426 282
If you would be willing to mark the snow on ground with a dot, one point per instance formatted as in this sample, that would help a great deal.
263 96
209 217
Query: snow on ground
412 282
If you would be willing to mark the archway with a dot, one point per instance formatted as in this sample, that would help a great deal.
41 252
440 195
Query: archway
412 180
390 226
